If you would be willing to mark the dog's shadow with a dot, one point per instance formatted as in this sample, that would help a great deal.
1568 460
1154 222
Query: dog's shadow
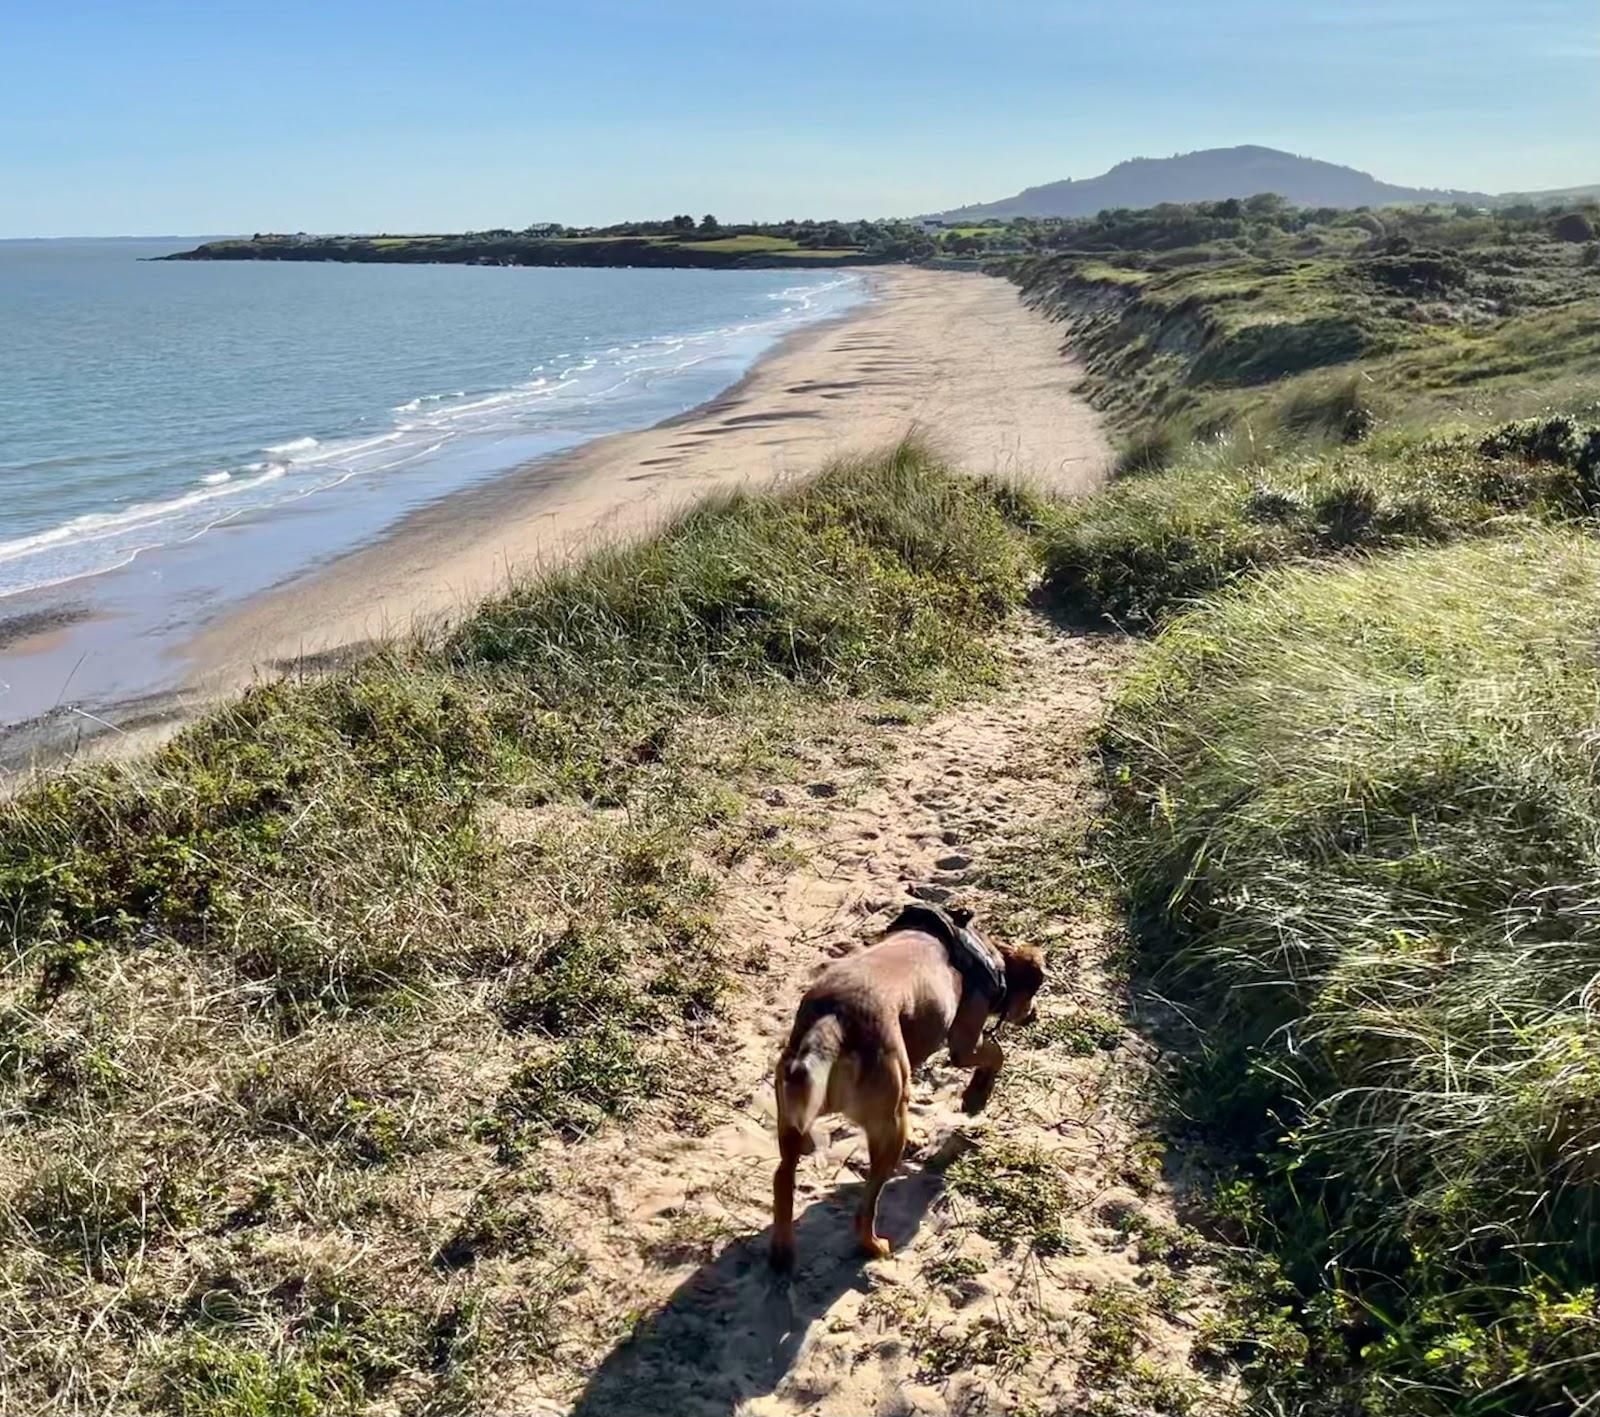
732 1330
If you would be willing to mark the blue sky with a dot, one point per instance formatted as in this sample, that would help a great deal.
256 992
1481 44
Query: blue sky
149 117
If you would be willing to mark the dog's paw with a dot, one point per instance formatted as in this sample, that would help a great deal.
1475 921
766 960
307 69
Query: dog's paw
976 1097
875 1247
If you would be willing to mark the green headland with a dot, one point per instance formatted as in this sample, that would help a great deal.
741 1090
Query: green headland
681 241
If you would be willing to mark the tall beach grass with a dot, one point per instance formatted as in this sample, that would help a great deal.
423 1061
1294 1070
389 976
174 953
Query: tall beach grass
1359 827
291 1009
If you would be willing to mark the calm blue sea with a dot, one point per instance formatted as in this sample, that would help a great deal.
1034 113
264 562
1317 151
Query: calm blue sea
143 403
176 437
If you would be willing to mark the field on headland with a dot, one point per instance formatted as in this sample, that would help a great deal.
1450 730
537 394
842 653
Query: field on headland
396 1039
808 244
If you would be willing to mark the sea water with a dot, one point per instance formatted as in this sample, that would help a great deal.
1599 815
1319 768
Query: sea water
144 405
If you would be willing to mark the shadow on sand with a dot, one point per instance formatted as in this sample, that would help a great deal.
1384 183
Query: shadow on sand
732 1330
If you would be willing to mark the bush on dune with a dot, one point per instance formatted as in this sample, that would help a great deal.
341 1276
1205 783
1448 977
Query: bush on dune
873 577
1357 812
1148 546
858 582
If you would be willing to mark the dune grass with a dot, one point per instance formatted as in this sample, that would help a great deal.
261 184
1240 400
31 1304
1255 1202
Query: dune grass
290 1009
1279 406
1354 813
1157 540
1358 825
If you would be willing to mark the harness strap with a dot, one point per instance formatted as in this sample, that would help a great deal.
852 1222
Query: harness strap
979 963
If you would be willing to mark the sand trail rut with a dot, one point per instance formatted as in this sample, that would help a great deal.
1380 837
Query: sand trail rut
996 1297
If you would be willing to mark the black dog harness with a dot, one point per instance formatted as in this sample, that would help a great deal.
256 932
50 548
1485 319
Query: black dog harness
979 964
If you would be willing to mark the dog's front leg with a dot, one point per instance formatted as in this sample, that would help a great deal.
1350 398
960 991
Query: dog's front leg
976 1097
970 1049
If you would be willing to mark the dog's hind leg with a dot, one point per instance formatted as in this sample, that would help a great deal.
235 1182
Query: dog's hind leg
885 1148
886 1144
790 1145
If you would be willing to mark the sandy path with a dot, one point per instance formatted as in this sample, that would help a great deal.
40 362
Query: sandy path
673 1228
951 355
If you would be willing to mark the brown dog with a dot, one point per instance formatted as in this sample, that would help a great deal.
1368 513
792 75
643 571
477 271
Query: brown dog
869 1021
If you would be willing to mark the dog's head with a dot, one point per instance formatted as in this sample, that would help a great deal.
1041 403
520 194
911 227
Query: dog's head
1024 978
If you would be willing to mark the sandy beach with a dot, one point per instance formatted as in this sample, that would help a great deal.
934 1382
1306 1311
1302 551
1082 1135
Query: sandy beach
951 356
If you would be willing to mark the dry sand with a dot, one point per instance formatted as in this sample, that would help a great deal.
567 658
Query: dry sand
952 356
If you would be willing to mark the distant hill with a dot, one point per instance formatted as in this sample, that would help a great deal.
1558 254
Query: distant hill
1208 176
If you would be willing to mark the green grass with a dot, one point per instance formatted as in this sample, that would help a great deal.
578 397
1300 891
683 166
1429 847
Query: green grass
746 242
1354 814
1357 813
1189 338
1020 1195
615 248
1081 1033
1154 542
347 942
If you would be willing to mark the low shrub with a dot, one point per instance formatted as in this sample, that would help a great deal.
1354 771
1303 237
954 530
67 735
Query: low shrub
1147 547
1341 413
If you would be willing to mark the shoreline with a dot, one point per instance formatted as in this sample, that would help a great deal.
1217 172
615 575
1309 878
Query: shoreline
844 386
427 541
954 357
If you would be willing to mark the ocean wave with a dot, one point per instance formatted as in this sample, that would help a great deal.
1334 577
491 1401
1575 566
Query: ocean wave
294 445
98 526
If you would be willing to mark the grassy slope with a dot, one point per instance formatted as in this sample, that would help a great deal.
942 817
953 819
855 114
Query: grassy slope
1263 372
1354 796
350 948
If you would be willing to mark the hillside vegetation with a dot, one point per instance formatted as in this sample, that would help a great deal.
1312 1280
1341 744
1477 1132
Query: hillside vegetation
1329 382
1354 814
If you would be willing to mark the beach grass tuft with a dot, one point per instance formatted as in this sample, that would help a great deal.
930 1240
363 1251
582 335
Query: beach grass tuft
1357 823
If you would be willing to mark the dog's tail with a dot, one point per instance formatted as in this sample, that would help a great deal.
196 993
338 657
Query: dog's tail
802 1080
